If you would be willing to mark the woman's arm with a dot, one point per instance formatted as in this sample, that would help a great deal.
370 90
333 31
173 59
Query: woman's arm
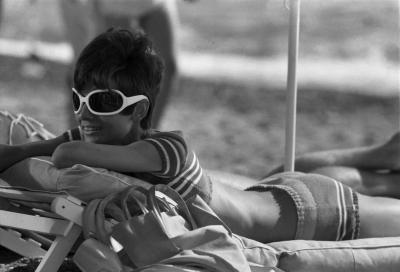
140 156
11 154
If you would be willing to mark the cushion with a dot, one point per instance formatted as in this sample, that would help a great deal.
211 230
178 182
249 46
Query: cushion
372 254
83 182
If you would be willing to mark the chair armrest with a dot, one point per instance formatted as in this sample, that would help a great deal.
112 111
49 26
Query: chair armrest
68 207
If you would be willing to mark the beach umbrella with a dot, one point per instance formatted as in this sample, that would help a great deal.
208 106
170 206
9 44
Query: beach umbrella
291 100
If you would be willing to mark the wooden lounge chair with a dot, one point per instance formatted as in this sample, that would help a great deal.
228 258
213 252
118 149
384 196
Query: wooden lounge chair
48 225
39 224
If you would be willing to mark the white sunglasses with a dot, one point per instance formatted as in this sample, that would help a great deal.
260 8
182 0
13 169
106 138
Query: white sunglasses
104 102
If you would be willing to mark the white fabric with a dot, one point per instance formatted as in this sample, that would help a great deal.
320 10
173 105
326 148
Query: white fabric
83 182
361 255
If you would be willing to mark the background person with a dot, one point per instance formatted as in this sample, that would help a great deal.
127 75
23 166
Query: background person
371 170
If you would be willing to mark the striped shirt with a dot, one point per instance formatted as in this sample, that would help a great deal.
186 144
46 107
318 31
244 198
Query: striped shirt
180 169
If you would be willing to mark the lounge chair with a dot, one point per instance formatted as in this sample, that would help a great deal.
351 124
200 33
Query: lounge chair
33 223
39 224
44 224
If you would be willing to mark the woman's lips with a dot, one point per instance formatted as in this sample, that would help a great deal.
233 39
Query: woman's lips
90 129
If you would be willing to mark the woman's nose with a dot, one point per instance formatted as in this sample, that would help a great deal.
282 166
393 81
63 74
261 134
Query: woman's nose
85 112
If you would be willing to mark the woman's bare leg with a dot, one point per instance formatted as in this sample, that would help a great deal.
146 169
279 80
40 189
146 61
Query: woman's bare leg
254 215
261 215
379 216
160 25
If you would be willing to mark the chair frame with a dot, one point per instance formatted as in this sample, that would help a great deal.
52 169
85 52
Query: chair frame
25 230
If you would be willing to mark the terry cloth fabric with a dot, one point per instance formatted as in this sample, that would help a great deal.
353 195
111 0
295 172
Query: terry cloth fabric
81 181
326 208
181 169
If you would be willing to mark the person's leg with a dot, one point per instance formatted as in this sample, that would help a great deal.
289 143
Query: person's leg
379 216
82 20
79 27
107 21
159 25
262 216
289 206
1 11
384 156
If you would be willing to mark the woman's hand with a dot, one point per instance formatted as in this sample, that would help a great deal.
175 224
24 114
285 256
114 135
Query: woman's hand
9 155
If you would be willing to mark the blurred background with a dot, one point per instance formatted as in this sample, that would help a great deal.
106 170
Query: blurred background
232 61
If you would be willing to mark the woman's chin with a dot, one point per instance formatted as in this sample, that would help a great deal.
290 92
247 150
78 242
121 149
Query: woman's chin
93 138
99 139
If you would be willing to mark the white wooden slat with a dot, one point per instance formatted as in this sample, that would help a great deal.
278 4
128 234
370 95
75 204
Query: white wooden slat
17 244
33 223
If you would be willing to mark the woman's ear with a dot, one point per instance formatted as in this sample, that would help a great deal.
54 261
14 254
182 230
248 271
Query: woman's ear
141 109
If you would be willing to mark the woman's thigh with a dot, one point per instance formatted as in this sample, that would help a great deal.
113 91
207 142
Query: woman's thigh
379 216
326 209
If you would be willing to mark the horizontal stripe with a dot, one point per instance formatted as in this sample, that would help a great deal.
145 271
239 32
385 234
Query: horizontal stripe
189 178
192 165
163 155
173 158
192 184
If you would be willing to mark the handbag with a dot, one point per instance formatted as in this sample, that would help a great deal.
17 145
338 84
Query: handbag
157 228
148 238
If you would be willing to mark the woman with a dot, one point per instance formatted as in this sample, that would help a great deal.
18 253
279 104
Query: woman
116 82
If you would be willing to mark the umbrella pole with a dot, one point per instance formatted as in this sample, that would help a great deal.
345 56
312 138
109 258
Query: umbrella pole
293 48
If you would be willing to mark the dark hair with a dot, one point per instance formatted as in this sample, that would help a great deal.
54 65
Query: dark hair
119 59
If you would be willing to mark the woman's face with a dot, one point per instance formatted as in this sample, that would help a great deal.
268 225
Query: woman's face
115 129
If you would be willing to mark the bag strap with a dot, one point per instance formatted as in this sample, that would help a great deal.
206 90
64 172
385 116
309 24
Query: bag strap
97 225
179 207
104 231
132 193
88 222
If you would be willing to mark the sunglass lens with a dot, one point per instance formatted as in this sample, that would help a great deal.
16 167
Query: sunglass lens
75 101
105 101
